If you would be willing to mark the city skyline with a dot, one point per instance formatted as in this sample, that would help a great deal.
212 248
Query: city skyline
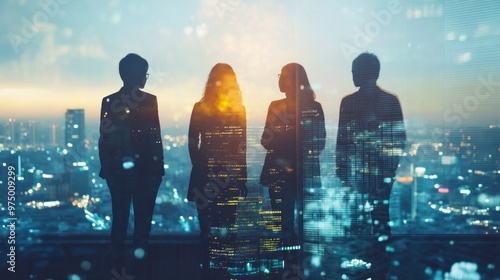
439 158
439 61
51 133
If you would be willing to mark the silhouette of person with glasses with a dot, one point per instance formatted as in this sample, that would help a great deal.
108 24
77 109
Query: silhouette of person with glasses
370 141
131 155
294 136
217 147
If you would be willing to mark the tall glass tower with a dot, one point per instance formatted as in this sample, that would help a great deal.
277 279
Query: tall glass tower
74 133
76 168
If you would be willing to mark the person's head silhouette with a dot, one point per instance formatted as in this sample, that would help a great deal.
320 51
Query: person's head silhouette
222 90
133 70
293 80
365 70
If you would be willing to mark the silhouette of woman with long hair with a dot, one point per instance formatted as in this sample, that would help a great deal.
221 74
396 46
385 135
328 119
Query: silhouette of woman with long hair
292 158
217 147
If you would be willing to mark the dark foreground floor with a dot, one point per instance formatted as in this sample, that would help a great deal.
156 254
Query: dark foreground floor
176 257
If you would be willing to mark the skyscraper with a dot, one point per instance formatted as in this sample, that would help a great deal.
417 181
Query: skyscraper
74 134
27 133
12 133
74 137
53 135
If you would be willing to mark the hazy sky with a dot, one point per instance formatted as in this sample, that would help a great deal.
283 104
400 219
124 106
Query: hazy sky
441 57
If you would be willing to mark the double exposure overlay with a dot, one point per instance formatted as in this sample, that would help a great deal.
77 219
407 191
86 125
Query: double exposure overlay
271 139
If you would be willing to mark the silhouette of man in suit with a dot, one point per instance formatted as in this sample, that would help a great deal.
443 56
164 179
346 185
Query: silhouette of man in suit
131 155
371 137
